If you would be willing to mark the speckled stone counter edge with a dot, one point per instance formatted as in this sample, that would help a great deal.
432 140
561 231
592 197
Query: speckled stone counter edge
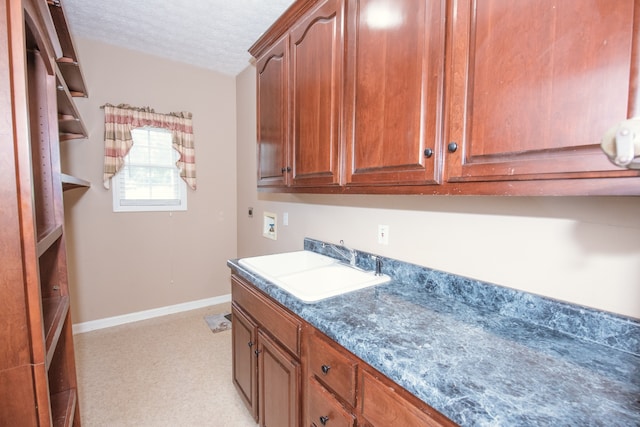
608 329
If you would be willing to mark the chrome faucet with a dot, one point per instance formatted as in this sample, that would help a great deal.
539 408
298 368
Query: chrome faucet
378 265
344 252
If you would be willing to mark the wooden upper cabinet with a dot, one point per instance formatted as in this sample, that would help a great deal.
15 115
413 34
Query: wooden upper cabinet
316 79
447 97
273 113
394 91
535 84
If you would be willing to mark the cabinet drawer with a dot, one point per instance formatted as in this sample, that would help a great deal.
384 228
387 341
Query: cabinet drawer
281 325
324 410
330 366
382 405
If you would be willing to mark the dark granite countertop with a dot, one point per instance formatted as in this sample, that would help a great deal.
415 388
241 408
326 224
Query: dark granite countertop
481 354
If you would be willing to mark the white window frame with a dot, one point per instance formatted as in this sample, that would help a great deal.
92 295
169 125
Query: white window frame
146 205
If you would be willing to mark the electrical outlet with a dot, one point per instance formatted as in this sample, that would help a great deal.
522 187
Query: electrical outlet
383 234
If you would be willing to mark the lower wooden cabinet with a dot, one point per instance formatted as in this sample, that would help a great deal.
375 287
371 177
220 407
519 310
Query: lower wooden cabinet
329 380
245 373
341 389
278 382
266 357
329 365
382 403
323 409
312 380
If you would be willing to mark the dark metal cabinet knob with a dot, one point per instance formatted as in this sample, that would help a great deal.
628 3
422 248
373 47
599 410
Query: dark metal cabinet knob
452 147
286 169
428 152
250 344
324 420
325 369
257 352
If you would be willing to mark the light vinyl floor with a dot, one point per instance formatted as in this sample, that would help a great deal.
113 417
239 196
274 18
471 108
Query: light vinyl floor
166 371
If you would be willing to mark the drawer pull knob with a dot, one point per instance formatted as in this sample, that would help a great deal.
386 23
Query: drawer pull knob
324 420
257 352
250 344
325 369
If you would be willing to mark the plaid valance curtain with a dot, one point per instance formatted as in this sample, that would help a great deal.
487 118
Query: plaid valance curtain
120 120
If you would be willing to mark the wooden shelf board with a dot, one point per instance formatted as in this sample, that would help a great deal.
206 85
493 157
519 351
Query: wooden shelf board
48 238
69 119
68 60
71 136
72 74
70 182
63 408
62 29
54 311
73 125
65 105
44 32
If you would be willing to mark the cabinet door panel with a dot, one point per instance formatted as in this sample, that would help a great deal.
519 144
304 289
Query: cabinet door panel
279 385
536 84
394 94
273 114
244 334
316 56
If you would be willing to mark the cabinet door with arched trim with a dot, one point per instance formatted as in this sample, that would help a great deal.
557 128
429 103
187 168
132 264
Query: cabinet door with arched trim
316 88
394 91
272 72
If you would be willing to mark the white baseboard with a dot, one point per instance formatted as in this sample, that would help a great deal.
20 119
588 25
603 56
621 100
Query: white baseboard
108 322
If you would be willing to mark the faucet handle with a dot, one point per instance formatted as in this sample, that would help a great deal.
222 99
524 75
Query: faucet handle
378 265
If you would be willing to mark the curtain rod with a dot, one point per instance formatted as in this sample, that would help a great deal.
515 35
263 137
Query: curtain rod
180 114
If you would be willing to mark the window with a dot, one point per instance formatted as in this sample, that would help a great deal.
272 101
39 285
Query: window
149 179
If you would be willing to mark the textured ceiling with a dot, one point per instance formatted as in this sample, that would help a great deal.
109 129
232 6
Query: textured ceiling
213 34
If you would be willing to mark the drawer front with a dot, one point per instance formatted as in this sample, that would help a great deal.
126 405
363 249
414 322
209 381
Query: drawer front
331 366
281 325
382 406
324 410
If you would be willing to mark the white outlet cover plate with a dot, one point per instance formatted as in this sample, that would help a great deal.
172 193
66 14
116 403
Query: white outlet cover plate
383 234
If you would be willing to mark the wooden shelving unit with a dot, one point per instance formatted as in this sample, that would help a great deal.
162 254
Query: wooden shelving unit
38 385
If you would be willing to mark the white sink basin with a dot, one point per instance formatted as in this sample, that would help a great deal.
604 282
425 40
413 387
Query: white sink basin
271 266
309 276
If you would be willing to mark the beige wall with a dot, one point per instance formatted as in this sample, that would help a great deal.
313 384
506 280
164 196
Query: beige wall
121 263
584 250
